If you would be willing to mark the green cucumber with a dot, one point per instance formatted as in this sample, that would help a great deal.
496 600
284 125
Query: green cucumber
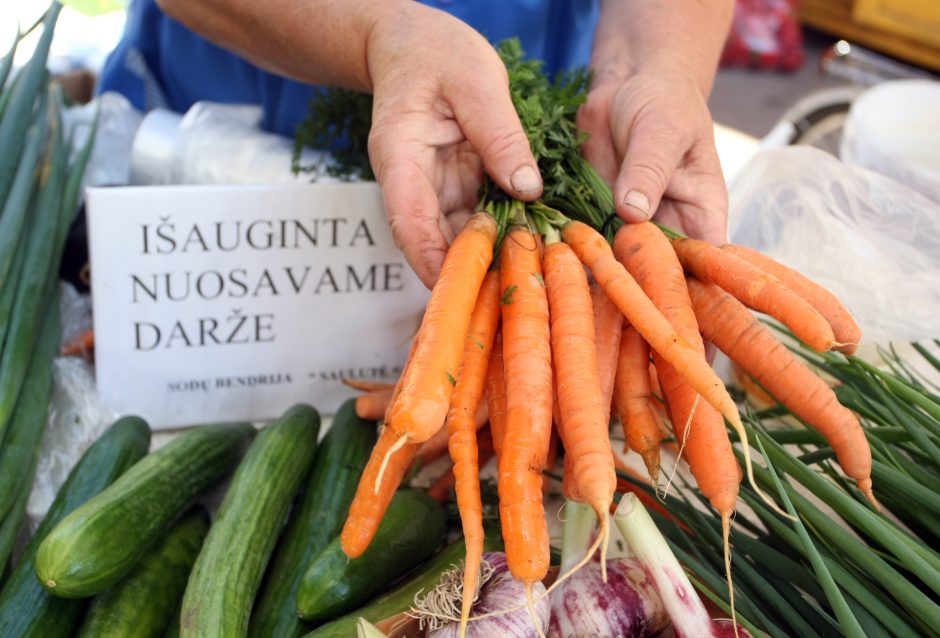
411 531
28 610
402 597
144 604
317 518
99 543
225 579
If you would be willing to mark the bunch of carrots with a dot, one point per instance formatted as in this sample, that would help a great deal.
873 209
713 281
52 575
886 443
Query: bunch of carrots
515 323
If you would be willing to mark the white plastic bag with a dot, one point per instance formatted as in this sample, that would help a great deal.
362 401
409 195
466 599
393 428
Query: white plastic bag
872 241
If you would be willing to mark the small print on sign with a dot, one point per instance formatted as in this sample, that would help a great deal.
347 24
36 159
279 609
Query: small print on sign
215 303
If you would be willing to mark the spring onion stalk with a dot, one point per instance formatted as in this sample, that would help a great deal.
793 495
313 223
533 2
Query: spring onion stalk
688 614
14 216
19 110
579 522
365 629
39 279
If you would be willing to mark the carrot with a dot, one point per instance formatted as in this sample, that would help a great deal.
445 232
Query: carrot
83 344
528 369
421 406
372 406
369 505
640 427
755 289
608 321
367 386
584 417
432 449
844 328
440 489
462 430
496 393
700 430
569 484
730 326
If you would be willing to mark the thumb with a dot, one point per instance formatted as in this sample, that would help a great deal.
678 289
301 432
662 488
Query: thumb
415 220
491 125
650 160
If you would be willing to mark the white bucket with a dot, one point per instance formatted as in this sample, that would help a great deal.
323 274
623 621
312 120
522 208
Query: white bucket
894 129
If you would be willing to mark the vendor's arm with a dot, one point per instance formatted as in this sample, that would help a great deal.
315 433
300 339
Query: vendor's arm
441 105
651 132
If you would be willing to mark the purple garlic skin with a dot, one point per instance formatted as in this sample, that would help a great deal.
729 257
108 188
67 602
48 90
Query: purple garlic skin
500 592
627 606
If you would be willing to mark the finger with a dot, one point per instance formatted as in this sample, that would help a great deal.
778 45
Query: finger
489 121
414 218
698 197
652 155
598 148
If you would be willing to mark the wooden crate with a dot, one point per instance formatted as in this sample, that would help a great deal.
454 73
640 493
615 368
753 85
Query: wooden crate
906 29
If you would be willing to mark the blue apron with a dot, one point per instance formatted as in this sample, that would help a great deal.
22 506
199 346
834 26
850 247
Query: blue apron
161 63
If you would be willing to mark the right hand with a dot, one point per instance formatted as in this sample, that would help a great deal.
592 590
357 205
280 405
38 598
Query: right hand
441 114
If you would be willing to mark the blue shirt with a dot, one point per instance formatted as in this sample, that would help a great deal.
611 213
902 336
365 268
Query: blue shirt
161 63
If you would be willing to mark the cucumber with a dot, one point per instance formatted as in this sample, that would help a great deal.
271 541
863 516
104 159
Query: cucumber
402 597
144 604
411 531
225 579
99 543
26 609
318 517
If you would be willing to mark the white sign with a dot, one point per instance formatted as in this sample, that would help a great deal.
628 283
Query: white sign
216 303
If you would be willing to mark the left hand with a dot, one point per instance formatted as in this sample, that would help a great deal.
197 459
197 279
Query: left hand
651 136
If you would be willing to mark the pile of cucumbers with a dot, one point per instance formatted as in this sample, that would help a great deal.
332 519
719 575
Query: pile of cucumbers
126 549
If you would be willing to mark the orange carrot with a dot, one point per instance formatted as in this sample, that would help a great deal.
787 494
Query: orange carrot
528 369
369 505
496 393
462 430
440 489
700 430
432 449
623 290
371 406
755 289
367 386
741 336
640 427
608 321
80 346
844 328
569 484
421 407
584 417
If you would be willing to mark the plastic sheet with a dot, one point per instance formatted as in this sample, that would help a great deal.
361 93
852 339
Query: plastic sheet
214 144
872 241
109 164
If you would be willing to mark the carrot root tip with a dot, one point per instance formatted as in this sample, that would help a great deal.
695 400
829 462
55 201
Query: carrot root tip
865 486
531 607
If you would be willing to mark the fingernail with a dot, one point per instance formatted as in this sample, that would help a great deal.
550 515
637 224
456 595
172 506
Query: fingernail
525 180
639 201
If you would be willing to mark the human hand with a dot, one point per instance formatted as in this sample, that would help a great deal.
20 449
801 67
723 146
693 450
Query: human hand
441 113
651 137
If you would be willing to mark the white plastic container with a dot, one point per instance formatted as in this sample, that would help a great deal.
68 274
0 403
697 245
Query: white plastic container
894 129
